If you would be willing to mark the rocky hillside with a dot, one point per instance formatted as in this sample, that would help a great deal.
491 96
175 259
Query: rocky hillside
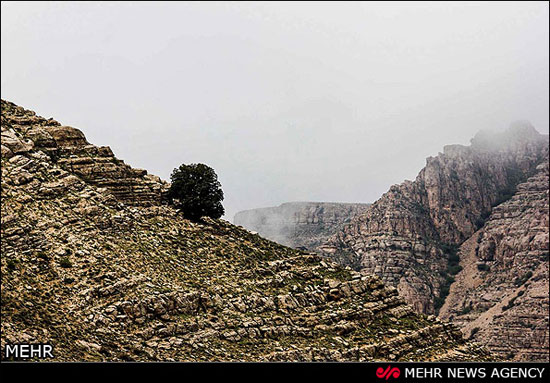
410 236
501 294
23 132
299 224
94 264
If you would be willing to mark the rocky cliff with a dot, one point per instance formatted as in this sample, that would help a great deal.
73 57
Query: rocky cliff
23 131
92 263
299 224
501 294
410 236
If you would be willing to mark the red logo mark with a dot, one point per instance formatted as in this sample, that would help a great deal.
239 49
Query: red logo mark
388 372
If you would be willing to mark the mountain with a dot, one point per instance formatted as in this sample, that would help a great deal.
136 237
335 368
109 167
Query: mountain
501 294
95 263
473 224
299 224
409 237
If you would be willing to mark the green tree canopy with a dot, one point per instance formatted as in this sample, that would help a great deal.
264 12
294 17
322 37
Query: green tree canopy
195 189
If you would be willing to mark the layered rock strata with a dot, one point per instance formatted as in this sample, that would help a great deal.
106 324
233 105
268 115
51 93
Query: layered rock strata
409 237
23 131
501 295
104 281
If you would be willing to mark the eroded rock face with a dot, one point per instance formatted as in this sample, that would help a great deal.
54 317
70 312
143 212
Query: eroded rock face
409 236
23 131
501 295
299 224
104 281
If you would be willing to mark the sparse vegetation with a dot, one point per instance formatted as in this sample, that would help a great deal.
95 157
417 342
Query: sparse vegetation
466 309
511 303
12 264
483 267
453 268
153 280
65 262
520 281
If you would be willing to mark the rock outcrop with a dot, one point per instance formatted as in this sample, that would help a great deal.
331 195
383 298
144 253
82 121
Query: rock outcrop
409 237
501 295
67 146
102 280
299 224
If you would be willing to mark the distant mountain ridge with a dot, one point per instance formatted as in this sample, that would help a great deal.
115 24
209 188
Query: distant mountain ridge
299 224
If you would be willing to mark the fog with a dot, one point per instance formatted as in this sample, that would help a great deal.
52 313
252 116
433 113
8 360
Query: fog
286 101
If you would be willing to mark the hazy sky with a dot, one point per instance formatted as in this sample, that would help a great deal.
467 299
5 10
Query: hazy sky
307 101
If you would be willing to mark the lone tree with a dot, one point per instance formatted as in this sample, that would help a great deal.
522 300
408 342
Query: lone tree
196 190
